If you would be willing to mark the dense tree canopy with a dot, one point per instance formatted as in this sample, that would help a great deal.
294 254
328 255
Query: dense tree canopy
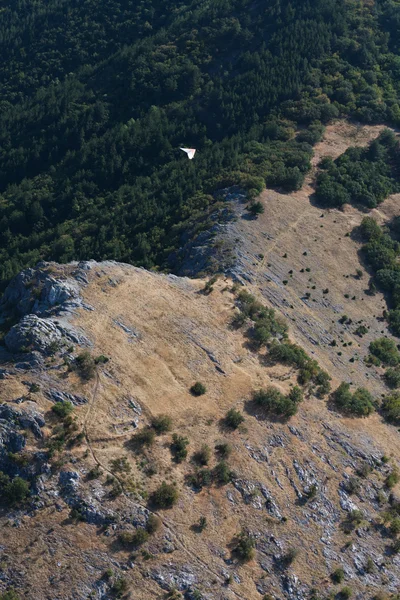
362 175
97 96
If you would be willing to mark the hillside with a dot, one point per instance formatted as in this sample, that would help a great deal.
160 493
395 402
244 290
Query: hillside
200 359
295 487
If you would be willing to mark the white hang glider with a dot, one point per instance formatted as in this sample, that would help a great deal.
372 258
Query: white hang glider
189 151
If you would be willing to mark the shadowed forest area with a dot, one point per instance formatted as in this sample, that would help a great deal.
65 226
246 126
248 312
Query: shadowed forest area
96 98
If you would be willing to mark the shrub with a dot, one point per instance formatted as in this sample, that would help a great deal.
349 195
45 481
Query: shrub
119 587
363 470
15 491
354 519
161 424
221 473
224 449
296 395
233 418
361 330
345 593
369 229
9 595
62 409
396 546
391 408
392 479
359 404
392 378
276 403
202 456
395 527
198 389
202 524
101 359
95 473
386 350
136 538
144 438
352 485
200 478
244 546
153 524
174 595
85 365
165 496
338 575
255 208
289 354
179 447
322 380
289 557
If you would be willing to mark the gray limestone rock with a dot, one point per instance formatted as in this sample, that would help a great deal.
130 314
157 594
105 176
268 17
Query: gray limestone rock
57 396
34 333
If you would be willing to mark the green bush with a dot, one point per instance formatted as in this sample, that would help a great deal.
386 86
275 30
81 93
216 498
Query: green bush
13 491
222 473
161 424
200 478
62 409
395 527
345 593
198 389
9 595
392 479
392 378
391 408
178 447
202 456
244 546
85 365
338 575
165 496
289 557
234 418
136 538
289 354
144 438
273 402
94 473
256 208
119 587
386 350
369 229
358 404
224 449
153 524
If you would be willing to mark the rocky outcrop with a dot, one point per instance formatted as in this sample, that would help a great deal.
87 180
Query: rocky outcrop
88 507
36 297
201 253
57 396
13 440
32 332
40 291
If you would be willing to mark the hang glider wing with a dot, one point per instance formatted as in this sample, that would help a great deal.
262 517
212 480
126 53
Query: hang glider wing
190 152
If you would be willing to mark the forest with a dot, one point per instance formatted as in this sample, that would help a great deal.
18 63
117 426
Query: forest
97 96
363 176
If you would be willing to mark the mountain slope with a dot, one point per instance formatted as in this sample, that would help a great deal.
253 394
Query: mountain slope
161 334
